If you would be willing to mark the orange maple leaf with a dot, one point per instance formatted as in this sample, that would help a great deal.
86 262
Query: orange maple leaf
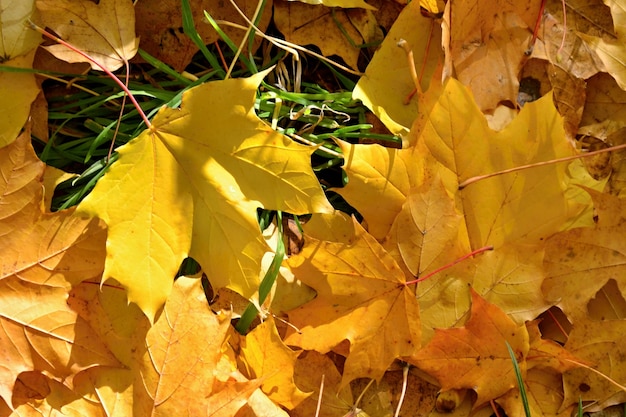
362 298
475 356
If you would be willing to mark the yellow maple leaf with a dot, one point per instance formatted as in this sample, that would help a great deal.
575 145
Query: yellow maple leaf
191 187
612 52
387 81
15 108
54 249
571 255
475 356
105 30
361 297
269 359
16 37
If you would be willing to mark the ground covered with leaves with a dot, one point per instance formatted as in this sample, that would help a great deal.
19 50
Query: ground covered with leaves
430 224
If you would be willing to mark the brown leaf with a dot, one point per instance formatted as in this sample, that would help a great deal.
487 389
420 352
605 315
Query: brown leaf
160 26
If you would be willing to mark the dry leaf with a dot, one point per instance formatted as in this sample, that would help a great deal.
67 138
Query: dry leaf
204 207
362 298
104 30
475 356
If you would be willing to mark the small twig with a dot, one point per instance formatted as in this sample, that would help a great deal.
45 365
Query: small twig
408 98
538 164
409 56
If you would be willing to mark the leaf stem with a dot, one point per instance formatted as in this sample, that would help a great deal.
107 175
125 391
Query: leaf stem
538 164
92 60
462 258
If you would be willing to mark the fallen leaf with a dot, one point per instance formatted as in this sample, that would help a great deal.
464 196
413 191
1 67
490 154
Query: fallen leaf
428 230
306 24
475 356
160 26
379 174
361 298
608 303
15 108
180 360
16 38
387 81
612 51
604 112
318 374
601 344
38 327
524 205
214 170
575 56
104 30
486 47
572 254
269 359
55 249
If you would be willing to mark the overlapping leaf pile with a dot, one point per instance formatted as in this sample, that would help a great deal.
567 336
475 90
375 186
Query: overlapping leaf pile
94 324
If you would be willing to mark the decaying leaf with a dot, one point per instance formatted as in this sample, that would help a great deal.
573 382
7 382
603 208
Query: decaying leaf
160 26
104 30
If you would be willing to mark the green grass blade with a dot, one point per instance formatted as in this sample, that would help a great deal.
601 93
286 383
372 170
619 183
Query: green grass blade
520 382
189 28
268 281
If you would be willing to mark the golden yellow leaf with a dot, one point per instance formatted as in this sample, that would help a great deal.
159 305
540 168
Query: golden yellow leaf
487 42
191 187
183 348
38 324
387 81
55 249
571 255
361 298
269 359
104 30
381 175
475 356
15 108
612 52
602 345
315 372
16 38
524 205
429 230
